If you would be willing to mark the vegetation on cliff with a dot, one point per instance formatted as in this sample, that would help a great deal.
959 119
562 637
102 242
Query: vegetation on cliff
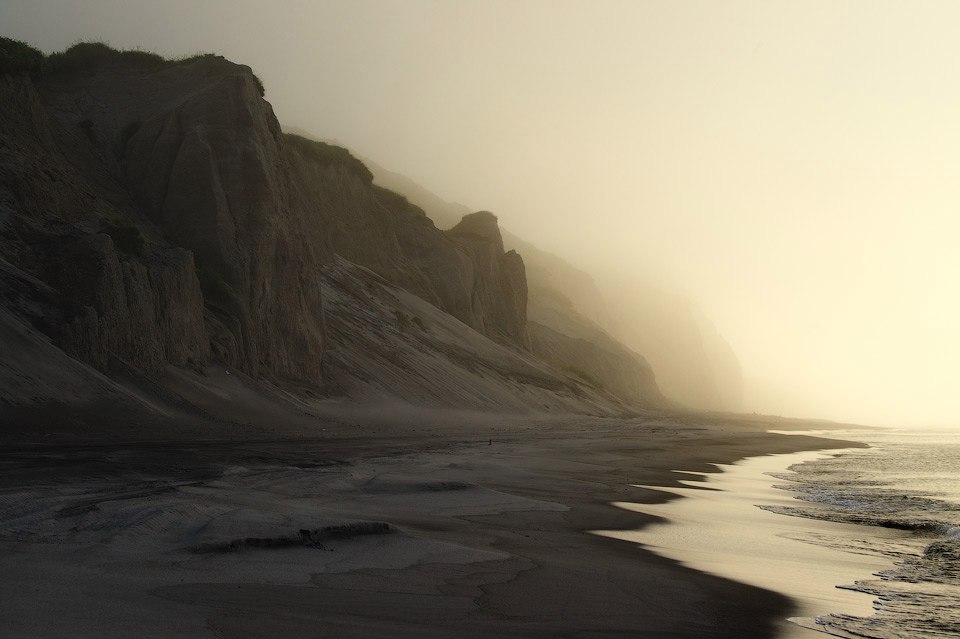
20 57
330 155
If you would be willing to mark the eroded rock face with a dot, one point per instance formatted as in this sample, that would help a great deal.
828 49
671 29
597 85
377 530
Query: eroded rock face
567 319
498 290
386 344
66 275
464 272
146 313
157 205
159 216
209 171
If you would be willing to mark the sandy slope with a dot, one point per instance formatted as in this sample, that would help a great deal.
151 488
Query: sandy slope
386 344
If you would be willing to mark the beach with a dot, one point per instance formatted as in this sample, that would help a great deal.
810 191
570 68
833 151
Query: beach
723 526
462 526
479 319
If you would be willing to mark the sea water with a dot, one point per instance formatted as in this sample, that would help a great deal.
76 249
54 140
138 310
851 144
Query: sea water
865 541
907 481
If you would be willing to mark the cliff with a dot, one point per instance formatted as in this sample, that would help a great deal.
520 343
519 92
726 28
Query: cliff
501 288
630 336
466 275
74 264
388 345
575 344
153 215
163 218
605 364
694 363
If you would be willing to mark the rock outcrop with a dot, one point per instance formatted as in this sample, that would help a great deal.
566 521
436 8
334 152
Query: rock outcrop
694 365
73 264
466 274
499 286
200 154
574 337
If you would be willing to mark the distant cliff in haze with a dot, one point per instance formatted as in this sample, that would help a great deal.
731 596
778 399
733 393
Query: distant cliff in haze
634 333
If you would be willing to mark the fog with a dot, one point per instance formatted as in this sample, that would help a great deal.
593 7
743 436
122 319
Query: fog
794 167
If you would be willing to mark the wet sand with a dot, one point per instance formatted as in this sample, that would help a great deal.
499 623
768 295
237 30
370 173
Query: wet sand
718 528
487 532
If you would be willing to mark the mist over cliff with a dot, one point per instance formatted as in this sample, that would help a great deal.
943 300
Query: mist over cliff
735 156
694 364
159 226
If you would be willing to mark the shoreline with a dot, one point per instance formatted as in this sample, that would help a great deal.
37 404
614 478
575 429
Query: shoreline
489 535
717 527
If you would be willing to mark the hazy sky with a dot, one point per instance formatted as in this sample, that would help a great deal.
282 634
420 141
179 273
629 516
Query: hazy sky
792 166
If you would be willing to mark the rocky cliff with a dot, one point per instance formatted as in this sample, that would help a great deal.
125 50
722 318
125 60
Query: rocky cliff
152 213
500 288
73 262
693 363
575 344
165 218
467 274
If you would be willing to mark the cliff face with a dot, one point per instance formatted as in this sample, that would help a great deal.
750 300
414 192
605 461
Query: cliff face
69 265
467 275
601 363
153 213
569 325
198 153
555 283
574 343
387 345
694 364
500 284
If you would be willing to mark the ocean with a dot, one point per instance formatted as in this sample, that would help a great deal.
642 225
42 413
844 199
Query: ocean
864 541
907 481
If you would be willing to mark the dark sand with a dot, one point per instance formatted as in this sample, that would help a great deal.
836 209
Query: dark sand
488 532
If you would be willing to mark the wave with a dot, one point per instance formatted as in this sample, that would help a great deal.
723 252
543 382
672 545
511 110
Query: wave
906 485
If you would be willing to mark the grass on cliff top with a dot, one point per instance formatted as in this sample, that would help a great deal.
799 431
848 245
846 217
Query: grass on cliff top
394 200
20 57
329 155
16 56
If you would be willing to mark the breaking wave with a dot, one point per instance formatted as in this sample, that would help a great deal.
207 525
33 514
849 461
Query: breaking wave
908 482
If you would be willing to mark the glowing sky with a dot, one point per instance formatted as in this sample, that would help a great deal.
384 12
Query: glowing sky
792 166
